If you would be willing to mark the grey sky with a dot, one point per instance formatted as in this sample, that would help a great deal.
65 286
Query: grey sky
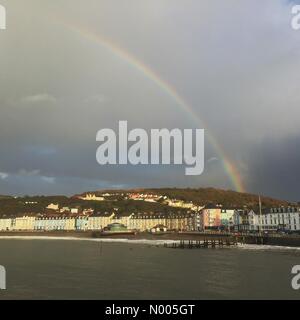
235 62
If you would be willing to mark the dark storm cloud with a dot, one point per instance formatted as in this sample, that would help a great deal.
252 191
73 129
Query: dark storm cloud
275 167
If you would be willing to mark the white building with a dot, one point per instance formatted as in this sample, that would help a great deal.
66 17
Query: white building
92 197
74 210
53 206
5 224
25 223
283 218
99 221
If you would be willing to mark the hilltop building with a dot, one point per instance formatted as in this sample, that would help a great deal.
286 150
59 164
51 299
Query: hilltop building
91 197
53 206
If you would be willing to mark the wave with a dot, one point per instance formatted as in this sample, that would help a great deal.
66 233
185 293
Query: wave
144 242
133 241
265 247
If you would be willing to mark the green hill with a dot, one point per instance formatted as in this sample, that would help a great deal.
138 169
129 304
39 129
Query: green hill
10 206
205 196
227 198
3 197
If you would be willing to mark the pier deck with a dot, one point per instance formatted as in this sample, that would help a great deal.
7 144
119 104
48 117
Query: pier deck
205 243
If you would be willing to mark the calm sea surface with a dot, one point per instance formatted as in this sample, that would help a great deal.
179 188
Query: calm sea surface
75 269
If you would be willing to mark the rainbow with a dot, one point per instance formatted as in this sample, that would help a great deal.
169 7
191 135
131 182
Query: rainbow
149 73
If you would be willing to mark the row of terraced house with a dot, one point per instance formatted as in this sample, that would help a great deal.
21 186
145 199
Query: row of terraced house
99 221
213 218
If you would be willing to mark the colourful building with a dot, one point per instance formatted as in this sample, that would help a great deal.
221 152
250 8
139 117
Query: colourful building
81 223
227 218
210 218
241 220
54 223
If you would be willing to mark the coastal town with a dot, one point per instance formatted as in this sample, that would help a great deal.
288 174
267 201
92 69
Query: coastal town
182 216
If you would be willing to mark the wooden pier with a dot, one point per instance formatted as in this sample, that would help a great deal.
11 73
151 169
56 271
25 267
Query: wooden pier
205 243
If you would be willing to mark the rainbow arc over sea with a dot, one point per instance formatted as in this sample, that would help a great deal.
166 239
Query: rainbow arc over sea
121 53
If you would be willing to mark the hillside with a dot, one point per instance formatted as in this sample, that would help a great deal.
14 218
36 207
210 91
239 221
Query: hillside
3 197
10 206
205 196
35 205
227 198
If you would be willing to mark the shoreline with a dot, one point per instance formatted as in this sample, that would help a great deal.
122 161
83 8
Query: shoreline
130 236
149 242
140 238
